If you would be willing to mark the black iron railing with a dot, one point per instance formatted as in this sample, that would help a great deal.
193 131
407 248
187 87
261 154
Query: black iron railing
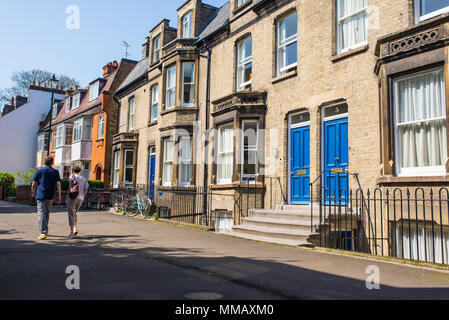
406 223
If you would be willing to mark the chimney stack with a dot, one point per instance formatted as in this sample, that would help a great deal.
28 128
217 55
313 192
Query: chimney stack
109 68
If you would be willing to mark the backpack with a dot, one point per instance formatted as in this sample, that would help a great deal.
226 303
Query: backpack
74 189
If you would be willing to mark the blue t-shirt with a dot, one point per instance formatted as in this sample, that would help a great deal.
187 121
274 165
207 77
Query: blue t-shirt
46 178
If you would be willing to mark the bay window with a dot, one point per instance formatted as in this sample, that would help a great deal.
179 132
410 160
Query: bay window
82 129
225 154
249 150
59 137
167 170
129 166
131 112
188 83
426 9
154 103
100 127
287 43
244 63
352 24
185 160
420 124
170 94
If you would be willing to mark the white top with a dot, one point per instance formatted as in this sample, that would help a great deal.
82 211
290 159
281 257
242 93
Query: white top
83 185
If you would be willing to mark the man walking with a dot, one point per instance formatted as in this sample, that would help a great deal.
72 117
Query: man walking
74 204
45 181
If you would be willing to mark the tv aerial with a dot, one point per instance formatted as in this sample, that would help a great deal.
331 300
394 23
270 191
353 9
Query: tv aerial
127 46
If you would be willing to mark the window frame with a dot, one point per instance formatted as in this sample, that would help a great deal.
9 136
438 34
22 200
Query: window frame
192 84
415 171
420 18
185 160
94 90
249 177
154 102
76 101
127 167
156 50
166 161
188 23
54 111
220 153
100 125
59 136
116 171
172 89
131 113
281 70
68 102
340 21
241 64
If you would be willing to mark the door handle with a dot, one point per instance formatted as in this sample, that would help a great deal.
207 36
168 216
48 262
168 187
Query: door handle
337 159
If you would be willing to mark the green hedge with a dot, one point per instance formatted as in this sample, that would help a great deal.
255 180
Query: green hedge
93 184
7 178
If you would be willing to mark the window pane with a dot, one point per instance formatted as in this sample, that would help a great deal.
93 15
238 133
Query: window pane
250 162
289 27
429 6
225 154
245 49
300 118
291 53
247 73
353 31
129 175
421 120
347 7
250 134
188 80
129 161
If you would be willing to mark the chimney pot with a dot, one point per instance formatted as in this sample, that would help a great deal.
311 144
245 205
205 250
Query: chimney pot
12 101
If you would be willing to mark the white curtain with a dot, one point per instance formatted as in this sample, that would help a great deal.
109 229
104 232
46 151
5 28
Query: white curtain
421 120
411 243
225 154
354 28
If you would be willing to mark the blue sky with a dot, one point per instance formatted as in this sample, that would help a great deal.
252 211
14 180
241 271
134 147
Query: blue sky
33 34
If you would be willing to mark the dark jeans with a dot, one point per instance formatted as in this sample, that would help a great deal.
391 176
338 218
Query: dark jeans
43 211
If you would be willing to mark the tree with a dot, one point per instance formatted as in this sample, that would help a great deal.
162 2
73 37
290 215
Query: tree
22 79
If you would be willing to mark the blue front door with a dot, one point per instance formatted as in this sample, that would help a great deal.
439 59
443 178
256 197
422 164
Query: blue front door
336 159
300 165
152 167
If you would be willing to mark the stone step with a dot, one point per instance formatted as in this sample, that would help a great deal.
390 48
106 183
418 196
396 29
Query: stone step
277 223
285 215
298 208
295 243
272 232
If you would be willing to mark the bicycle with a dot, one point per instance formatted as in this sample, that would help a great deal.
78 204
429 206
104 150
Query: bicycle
137 205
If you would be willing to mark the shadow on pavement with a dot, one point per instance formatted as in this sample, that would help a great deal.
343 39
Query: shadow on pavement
110 269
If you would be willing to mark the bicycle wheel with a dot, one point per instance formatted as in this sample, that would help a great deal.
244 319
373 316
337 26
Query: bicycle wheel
132 208
146 212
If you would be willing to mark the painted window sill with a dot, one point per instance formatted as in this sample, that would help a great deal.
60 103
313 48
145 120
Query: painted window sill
236 186
180 109
288 75
153 123
392 180
349 53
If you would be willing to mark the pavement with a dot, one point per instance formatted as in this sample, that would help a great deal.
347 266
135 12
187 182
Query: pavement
128 258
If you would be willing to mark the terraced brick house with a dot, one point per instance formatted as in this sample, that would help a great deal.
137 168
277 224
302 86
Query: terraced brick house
303 99
83 124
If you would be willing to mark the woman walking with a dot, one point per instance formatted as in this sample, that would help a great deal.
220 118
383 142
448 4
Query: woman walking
78 188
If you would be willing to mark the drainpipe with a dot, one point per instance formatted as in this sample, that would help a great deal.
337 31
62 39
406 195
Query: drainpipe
117 125
206 143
